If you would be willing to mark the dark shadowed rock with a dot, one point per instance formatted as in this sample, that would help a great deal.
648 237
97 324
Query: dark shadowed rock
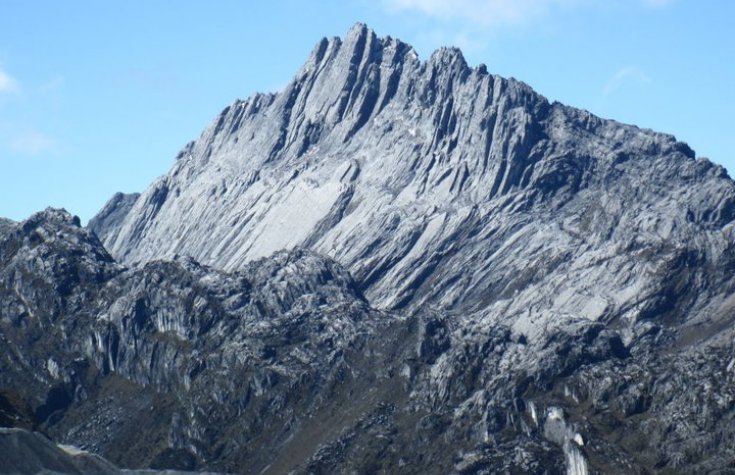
26 452
391 266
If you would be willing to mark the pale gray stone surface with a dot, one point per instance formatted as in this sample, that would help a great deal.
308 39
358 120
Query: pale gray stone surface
391 266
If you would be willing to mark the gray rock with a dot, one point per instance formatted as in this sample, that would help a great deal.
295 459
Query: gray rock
112 214
30 453
175 365
437 185
392 266
26 453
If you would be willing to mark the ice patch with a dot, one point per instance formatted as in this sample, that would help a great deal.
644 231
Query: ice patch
576 464
72 450
558 431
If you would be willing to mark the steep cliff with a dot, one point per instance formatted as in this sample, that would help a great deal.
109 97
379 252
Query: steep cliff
391 266
432 183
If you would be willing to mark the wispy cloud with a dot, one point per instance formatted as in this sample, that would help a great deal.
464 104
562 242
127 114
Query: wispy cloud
7 83
31 143
479 12
625 75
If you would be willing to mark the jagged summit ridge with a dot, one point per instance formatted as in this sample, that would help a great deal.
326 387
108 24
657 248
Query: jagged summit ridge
406 171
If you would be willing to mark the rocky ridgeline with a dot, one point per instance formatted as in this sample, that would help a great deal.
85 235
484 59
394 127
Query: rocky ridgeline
390 266
431 182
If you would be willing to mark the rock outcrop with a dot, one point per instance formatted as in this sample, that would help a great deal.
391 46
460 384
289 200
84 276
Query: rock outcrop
434 184
26 452
391 266
108 219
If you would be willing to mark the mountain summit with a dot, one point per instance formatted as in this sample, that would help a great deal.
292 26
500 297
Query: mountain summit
391 266
432 182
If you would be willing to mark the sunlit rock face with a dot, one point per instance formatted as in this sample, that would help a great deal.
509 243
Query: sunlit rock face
395 266
432 183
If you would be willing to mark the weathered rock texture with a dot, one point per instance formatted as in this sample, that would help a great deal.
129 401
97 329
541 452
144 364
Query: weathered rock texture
431 182
406 267
112 214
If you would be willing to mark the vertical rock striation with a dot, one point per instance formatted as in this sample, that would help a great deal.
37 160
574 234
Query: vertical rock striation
391 266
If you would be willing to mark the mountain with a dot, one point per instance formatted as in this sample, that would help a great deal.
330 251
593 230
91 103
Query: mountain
391 266
431 182
146 365
115 210
26 452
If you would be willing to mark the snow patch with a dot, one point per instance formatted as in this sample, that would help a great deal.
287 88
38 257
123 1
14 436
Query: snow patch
72 450
558 431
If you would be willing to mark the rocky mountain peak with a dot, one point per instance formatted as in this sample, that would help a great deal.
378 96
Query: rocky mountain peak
51 216
440 163
389 266
448 58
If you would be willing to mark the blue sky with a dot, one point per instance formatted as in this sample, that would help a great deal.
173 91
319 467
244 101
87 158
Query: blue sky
98 97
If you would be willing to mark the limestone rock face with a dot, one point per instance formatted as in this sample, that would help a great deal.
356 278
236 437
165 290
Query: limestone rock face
391 266
172 364
433 183
109 217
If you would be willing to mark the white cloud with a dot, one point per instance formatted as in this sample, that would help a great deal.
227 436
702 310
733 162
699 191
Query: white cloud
31 143
480 12
7 83
625 75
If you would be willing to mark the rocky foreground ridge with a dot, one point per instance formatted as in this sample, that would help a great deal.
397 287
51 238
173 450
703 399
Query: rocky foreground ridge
390 266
